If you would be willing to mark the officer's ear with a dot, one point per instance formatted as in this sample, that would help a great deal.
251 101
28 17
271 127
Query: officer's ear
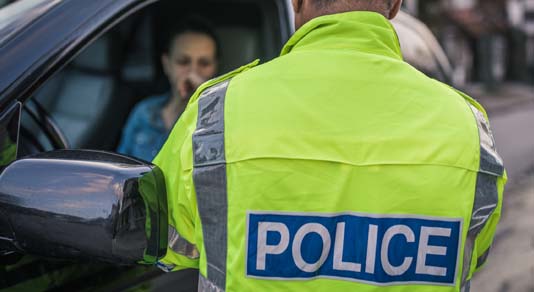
395 7
297 6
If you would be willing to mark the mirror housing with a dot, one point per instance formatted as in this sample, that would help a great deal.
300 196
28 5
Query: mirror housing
83 204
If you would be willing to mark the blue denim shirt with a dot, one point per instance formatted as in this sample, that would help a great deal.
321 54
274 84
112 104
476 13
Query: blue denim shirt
145 133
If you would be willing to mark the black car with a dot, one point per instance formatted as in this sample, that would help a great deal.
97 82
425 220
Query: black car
71 72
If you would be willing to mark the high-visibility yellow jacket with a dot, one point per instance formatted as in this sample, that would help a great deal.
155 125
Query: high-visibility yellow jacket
335 167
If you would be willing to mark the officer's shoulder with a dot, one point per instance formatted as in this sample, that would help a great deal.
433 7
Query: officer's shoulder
221 82
473 103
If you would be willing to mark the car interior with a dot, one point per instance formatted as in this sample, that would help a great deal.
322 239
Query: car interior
86 103
90 98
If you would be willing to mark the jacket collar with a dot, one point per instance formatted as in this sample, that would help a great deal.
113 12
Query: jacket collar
363 31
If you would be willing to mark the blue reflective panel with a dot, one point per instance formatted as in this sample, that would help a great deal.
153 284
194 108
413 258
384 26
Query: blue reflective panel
384 250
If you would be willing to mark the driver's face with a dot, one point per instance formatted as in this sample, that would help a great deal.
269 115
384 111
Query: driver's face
191 61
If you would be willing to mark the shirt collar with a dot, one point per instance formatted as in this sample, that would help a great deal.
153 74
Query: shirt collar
364 31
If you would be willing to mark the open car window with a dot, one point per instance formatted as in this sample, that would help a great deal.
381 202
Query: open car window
92 96
89 99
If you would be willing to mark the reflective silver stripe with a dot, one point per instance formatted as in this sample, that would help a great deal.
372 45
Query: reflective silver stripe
181 246
167 268
490 161
466 287
209 176
208 139
486 193
205 285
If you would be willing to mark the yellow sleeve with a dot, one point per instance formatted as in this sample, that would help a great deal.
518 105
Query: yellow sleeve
485 238
176 161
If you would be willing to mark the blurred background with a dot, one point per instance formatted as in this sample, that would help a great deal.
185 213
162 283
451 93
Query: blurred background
488 42
490 46
482 47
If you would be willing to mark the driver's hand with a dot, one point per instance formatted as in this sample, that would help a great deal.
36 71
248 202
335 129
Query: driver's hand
188 85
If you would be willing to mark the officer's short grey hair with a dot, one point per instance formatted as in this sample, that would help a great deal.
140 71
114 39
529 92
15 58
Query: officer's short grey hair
321 4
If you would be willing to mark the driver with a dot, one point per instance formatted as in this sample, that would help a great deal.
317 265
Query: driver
190 59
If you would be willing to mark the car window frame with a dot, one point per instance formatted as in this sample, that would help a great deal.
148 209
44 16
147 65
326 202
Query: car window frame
94 30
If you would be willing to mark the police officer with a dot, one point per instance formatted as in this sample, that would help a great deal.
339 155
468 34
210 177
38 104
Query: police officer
335 167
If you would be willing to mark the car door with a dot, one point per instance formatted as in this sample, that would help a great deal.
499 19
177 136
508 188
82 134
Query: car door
66 40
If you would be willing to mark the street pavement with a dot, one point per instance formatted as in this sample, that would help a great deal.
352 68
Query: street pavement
514 137
506 97
510 267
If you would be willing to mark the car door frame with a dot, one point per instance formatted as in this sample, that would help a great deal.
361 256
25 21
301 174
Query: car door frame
50 42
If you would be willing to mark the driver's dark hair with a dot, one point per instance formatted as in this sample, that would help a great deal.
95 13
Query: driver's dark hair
192 24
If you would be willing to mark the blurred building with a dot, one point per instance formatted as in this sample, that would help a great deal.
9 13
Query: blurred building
488 41
528 27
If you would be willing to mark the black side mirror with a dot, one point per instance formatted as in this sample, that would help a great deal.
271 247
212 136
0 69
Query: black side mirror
81 204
